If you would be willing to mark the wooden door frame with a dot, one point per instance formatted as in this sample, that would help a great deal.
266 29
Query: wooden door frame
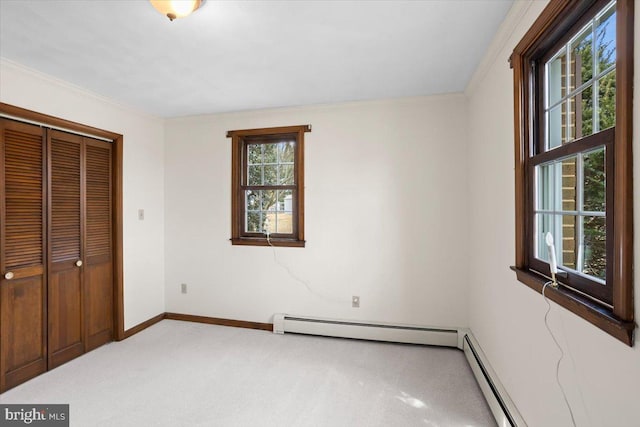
117 139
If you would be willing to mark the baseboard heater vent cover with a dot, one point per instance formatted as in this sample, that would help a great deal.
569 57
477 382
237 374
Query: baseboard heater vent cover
502 407
283 323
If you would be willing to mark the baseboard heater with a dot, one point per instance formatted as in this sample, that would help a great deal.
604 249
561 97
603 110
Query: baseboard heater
503 409
283 323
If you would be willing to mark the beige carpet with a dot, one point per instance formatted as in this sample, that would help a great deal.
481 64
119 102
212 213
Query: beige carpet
188 374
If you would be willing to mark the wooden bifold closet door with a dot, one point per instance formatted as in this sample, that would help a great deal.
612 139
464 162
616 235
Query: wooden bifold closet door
98 244
56 249
66 186
23 284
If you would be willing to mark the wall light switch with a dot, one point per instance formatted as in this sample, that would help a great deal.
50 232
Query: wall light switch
141 214
355 301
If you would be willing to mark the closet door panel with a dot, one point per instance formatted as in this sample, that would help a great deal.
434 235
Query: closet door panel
22 253
98 274
65 315
65 243
23 331
100 306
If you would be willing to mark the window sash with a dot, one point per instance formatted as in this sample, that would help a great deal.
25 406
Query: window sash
245 211
274 139
550 207
564 47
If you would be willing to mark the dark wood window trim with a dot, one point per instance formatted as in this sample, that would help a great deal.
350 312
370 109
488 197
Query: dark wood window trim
22 114
550 27
239 141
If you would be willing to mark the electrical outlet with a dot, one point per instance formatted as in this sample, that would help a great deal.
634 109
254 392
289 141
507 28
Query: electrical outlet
183 288
355 301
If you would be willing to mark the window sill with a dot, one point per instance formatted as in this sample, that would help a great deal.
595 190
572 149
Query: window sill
261 241
597 314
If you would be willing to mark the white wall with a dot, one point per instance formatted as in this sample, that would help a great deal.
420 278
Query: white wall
601 375
385 216
394 189
143 175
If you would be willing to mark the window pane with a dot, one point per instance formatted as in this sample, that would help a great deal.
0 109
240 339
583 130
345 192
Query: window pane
557 185
555 119
284 222
594 181
255 153
569 182
545 223
252 200
568 256
270 153
595 246
564 229
607 101
286 175
254 222
556 86
285 200
286 150
255 175
268 200
581 59
270 175
545 193
581 116
606 40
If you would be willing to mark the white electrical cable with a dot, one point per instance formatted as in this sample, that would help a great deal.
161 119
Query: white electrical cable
299 280
575 374
546 323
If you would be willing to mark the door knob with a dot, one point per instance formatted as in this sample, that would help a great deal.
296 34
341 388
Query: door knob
8 275
79 263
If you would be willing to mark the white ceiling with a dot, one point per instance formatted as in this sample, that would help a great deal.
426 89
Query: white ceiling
232 55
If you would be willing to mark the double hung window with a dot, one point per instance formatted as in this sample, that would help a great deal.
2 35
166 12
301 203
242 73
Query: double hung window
573 74
268 186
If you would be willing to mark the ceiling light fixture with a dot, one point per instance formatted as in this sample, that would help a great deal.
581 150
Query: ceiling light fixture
174 9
